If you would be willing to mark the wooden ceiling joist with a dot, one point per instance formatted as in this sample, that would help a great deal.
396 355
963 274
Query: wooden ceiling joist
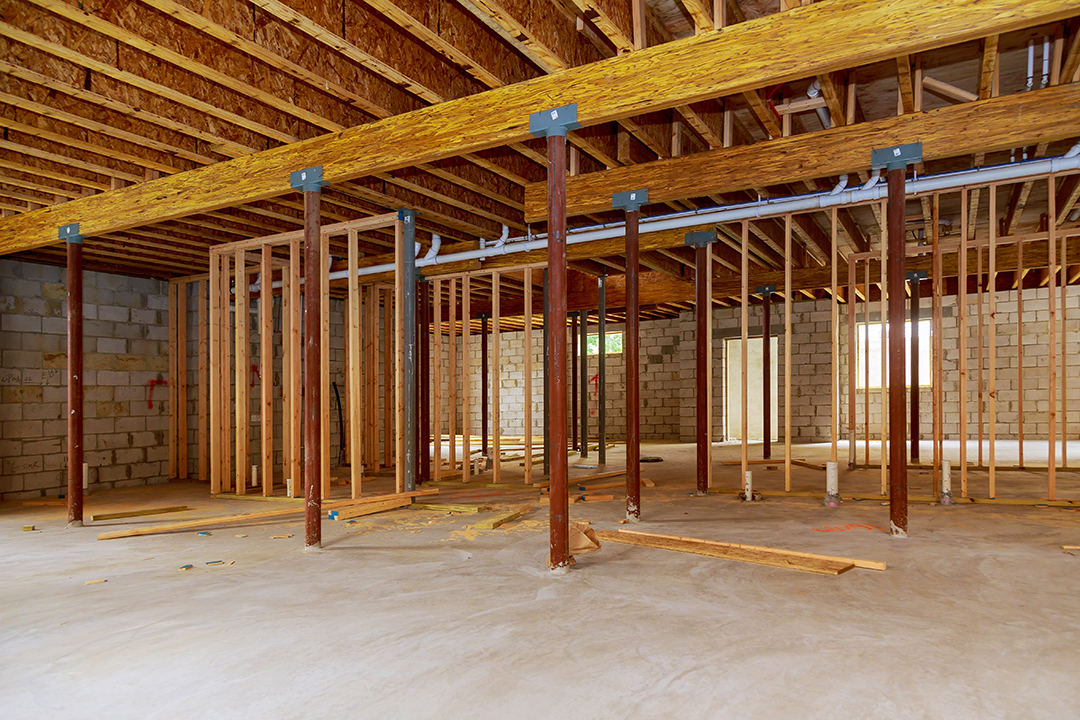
709 65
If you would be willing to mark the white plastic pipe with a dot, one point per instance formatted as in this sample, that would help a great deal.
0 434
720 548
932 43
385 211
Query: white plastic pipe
748 486
832 485
755 210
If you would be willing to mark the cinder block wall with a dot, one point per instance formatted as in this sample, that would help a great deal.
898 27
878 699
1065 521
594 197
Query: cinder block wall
126 347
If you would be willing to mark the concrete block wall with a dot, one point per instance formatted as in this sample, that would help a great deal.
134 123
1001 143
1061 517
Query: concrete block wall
126 347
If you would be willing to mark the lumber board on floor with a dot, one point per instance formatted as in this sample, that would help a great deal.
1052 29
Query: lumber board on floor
472 509
138 513
250 517
372 508
765 556
502 518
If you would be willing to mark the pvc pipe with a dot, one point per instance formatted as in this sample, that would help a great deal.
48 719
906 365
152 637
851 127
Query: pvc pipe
758 209
832 485
946 483
748 486
814 91
1046 61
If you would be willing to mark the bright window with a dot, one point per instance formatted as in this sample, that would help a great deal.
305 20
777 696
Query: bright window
869 335
612 343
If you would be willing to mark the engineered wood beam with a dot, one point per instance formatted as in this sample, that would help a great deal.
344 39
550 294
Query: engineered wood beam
737 60
988 66
907 87
986 125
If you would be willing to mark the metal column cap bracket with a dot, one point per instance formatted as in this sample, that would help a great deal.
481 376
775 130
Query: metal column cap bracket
897 157
70 234
555 121
765 289
702 238
407 215
917 275
307 180
630 200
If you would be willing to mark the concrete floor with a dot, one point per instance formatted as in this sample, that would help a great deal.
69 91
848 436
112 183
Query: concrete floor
412 614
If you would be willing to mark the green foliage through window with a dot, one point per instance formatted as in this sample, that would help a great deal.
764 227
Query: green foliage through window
612 342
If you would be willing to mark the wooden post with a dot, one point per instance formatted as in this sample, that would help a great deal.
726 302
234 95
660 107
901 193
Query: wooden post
1052 393
226 409
204 383
266 376
866 364
992 330
466 373
852 359
935 336
355 412
388 377
324 358
1064 355
286 379
371 368
242 375
436 368
173 382
496 418
1020 351
787 355
452 407
834 406
884 353
979 346
528 431
961 300
214 331
181 382
295 370
745 345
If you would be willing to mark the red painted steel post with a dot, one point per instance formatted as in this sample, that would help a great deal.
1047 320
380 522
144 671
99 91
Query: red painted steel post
898 512
560 508
75 375
484 379
702 307
630 353
573 382
915 368
310 182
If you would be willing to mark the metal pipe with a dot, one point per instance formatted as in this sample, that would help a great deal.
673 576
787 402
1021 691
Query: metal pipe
484 384
75 380
897 377
408 390
312 381
1009 172
560 510
702 305
601 375
766 384
584 383
631 346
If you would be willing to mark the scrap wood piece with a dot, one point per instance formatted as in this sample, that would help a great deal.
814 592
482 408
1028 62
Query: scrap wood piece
597 476
372 508
452 508
647 482
594 498
1070 547
583 539
864 564
767 556
95 582
249 517
502 518
138 513
257 498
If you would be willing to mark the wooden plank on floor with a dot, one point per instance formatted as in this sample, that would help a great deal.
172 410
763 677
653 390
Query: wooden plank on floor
138 513
767 556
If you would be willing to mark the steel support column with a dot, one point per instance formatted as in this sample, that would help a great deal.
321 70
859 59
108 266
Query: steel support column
601 371
310 182
408 390
553 124
547 408
702 244
424 366
766 382
631 203
484 384
896 161
70 234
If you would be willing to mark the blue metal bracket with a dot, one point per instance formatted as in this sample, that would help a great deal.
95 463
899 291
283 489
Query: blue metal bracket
897 157
307 180
630 200
555 121
70 234
702 238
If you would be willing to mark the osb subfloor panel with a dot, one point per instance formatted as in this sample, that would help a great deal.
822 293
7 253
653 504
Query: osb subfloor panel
412 614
